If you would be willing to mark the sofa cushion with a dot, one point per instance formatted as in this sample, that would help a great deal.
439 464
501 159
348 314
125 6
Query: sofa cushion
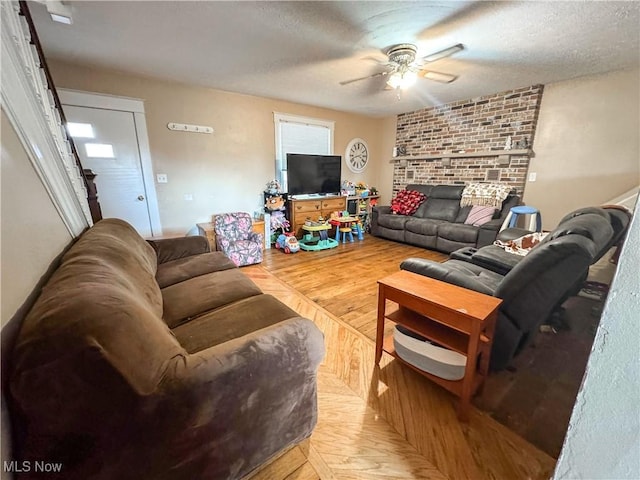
424 241
182 269
592 226
99 312
168 249
198 295
392 234
447 192
107 326
423 226
114 245
440 209
456 272
447 246
443 203
232 321
458 232
394 222
463 213
426 189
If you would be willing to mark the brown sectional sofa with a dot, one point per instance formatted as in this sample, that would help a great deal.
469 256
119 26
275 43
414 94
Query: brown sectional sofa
438 224
158 360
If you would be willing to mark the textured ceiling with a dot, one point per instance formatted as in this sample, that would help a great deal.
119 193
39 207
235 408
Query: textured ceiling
300 51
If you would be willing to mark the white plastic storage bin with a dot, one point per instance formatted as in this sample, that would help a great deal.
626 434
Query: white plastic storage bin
422 354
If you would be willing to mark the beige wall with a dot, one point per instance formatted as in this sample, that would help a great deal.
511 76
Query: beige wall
33 234
605 415
225 171
586 145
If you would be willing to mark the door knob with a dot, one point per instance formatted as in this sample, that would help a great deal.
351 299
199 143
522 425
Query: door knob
141 197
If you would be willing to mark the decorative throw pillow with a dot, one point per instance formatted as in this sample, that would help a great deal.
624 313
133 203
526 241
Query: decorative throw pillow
479 215
407 202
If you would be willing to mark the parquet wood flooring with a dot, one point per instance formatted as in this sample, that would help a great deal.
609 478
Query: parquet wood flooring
389 422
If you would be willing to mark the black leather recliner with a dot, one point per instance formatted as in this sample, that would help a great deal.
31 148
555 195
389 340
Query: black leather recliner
534 286
500 261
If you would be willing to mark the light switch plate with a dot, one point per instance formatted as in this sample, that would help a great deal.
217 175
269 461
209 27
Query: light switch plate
162 178
533 176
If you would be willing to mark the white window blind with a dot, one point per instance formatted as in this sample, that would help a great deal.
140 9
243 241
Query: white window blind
300 135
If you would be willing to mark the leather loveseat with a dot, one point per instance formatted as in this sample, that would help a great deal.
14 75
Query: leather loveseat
532 287
438 224
158 360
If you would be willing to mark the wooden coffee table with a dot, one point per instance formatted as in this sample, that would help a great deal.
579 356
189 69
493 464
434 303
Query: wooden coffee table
454 317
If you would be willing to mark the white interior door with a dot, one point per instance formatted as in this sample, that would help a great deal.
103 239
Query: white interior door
114 156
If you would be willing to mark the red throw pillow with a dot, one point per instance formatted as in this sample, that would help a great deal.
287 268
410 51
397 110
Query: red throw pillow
407 202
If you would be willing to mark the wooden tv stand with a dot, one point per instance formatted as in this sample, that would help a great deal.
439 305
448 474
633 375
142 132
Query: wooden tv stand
457 318
301 209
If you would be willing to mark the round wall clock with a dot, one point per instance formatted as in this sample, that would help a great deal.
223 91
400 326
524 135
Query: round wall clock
357 155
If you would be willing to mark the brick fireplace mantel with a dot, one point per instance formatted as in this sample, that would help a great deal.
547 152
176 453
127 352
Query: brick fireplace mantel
485 153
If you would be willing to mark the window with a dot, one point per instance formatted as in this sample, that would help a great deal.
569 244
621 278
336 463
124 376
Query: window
99 150
296 134
80 130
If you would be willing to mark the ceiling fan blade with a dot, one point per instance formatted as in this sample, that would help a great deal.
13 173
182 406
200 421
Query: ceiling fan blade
437 76
347 82
380 59
443 53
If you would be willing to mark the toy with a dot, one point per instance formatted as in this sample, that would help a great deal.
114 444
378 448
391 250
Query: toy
274 203
273 187
317 236
279 221
288 242
348 188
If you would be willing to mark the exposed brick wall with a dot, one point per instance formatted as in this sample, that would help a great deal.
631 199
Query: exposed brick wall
476 125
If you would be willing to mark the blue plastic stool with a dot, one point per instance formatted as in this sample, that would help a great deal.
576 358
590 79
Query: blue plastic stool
346 234
535 221
357 229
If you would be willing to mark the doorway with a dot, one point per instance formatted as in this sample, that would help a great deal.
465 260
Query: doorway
111 139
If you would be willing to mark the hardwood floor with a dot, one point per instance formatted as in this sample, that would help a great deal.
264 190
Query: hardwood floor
534 397
343 280
383 422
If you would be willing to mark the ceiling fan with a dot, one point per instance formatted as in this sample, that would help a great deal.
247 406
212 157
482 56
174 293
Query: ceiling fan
404 70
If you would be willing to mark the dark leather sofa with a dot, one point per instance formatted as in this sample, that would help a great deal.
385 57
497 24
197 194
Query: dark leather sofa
533 286
438 224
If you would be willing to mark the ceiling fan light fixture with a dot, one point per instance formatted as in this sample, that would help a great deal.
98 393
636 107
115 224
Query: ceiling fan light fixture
402 80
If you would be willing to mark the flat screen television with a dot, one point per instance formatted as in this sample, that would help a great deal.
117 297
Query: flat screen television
313 174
